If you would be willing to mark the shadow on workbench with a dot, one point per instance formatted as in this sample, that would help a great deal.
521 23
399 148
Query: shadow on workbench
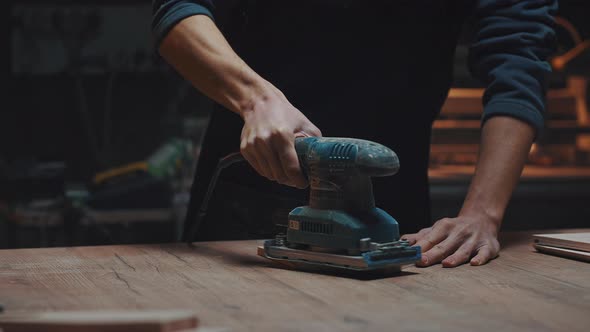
340 273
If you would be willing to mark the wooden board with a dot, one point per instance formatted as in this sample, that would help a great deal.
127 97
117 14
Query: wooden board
100 321
573 241
233 289
562 252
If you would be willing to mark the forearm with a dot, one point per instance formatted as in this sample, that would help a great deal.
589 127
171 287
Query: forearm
198 51
473 235
504 148
512 41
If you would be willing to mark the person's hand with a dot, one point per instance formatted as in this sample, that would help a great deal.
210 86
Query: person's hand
455 241
271 125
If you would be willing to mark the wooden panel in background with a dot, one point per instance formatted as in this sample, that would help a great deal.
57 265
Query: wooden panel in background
561 103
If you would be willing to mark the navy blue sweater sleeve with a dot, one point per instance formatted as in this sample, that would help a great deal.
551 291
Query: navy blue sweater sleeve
513 41
166 13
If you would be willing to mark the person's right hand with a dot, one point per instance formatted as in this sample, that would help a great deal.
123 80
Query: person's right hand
271 125
199 51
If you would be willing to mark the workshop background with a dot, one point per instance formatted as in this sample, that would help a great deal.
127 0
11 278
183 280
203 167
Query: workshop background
100 137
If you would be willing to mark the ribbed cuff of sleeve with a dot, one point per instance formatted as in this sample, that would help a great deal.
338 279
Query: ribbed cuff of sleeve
175 15
515 110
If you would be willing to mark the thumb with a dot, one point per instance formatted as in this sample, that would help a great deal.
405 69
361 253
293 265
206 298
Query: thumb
301 134
309 131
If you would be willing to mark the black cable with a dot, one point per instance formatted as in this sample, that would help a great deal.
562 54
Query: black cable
107 111
224 162
86 118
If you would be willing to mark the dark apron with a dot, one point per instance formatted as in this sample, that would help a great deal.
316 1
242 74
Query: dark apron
376 70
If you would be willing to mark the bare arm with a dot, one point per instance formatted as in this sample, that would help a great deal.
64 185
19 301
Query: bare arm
198 51
505 145
472 236
513 41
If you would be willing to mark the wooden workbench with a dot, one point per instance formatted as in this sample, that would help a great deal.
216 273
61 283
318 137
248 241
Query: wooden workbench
229 287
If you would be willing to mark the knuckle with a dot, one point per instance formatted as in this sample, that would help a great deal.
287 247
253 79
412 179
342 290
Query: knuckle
259 139
424 231
440 249
292 170
463 234
496 248
283 179
463 254
446 224
429 238
496 245
299 184
493 250
484 251
288 156
445 221
244 147
317 132
280 132
250 142
427 242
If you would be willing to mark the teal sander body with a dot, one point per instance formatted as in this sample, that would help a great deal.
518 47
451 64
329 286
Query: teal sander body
341 227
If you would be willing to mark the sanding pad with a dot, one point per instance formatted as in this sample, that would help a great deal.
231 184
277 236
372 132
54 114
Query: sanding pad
369 261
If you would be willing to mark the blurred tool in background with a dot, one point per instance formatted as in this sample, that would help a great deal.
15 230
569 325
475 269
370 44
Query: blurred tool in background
566 138
140 197
101 145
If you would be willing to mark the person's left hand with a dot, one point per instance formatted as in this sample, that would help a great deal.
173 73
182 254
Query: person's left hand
455 241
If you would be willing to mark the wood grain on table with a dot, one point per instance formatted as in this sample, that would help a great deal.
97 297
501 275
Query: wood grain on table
231 288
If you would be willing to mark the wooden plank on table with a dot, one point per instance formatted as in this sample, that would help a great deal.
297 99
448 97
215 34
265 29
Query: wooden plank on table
100 321
563 252
574 241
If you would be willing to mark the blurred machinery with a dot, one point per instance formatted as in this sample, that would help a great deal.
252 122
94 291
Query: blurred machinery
93 37
566 140
149 194
100 144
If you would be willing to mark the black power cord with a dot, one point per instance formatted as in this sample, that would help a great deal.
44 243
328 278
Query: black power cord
224 162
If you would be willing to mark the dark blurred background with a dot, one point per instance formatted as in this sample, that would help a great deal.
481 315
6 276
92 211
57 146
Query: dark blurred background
100 137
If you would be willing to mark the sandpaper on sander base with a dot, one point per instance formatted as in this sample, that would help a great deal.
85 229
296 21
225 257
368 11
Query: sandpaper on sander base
306 259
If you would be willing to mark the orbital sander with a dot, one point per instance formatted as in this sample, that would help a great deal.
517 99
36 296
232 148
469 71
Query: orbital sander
340 227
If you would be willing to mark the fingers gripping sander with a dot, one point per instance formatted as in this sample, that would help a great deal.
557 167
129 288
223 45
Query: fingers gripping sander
341 227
